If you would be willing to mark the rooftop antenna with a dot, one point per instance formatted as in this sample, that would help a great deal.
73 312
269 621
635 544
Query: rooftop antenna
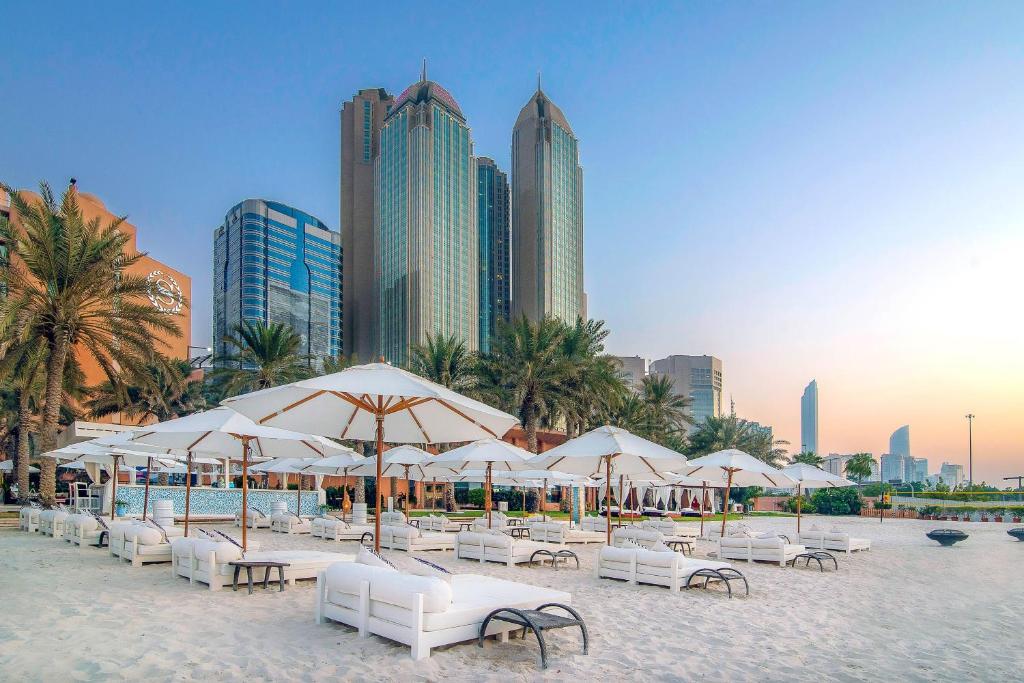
538 79
423 77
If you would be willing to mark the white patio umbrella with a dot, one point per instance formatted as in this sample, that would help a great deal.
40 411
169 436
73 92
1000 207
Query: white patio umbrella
408 462
228 434
288 466
611 447
488 455
375 402
538 479
733 466
8 466
812 477
337 466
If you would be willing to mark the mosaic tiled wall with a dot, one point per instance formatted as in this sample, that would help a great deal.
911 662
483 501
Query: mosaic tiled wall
206 501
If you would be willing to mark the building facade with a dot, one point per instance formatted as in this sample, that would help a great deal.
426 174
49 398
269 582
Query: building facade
920 469
952 474
899 442
361 120
547 214
700 378
633 371
493 247
277 264
169 289
895 467
809 418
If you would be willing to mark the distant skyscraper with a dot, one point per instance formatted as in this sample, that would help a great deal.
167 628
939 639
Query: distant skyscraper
276 264
899 442
809 418
493 244
700 378
426 223
835 463
361 121
952 474
634 369
767 430
547 214
920 469
894 467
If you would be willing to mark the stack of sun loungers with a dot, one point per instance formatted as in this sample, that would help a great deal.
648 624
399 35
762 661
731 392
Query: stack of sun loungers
424 610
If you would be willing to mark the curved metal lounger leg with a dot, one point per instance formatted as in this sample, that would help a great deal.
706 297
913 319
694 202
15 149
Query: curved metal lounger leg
526 620
577 617
735 574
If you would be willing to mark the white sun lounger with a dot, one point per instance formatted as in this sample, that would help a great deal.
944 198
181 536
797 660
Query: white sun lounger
637 565
28 518
422 612
495 547
765 548
559 533
51 522
411 539
290 523
208 561
833 540
255 519
334 529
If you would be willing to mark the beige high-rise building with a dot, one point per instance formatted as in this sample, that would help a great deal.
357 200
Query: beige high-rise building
633 371
547 214
700 378
361 121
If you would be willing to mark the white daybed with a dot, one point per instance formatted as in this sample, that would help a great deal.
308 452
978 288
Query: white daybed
423 612
51 522
334 529
290 523
255 519
655 567
765 548
207 561
594 524
84 529
440 523
145 544
817 539
494 546
672 532
499 520
560 533
28 518
411 539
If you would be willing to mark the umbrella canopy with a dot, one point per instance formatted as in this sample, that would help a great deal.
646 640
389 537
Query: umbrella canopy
488 455
8 466
735 467
229 434
80 465
335 465
611 449
378 402
809 476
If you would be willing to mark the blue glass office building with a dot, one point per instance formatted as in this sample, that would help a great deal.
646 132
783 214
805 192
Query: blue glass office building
276 264
493 242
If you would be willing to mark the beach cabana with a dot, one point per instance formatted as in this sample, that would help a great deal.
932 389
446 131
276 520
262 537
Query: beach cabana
375 402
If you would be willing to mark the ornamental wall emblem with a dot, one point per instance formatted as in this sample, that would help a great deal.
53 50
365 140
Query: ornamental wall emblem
164 292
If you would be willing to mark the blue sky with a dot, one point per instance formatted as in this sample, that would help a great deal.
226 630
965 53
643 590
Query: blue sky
806 190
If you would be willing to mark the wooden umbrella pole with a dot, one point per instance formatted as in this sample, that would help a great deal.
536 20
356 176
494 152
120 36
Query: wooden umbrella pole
570 505
433 495
798 509
380 454
188 489
487 495
408 491
622 505
113 490
524 501
725 505
608 497
145 497
298 498
245 489
703 497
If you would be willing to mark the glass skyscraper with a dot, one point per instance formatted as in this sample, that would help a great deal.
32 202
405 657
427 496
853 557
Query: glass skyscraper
809 418
697 377
276 264
425 202
547 214
492 217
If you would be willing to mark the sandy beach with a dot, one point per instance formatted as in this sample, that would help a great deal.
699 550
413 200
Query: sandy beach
907 610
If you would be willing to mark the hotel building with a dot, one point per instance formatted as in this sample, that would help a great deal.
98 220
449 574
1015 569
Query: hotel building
493 243
275 264
425 201
547 214
361 120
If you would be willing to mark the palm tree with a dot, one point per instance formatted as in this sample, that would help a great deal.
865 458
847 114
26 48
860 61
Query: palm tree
446 361
526 370
730 431
264 356
163 390
859 467
667 411
25 367
333 364
808 458
595 385
71 287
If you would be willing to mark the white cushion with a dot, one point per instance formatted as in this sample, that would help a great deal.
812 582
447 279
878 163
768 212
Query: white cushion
145 535
401 589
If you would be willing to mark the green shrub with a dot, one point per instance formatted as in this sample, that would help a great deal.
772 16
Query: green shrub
844 501
806 505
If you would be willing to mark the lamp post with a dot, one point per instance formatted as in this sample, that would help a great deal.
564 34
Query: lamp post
970 448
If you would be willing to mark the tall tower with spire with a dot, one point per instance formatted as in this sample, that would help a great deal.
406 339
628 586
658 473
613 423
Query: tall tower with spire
547 214
426 260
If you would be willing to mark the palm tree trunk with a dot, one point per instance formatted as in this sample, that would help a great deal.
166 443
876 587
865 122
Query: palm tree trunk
24 418
449 497
360 490
530 427
59 349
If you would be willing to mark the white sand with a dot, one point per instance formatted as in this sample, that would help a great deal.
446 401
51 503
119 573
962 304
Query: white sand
907 610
